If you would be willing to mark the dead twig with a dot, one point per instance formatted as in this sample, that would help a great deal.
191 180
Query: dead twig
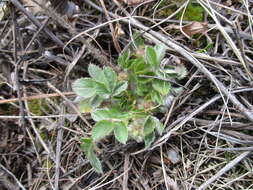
226 168
18 63
38 24
58 150
13 176
125 177
113 34
36 97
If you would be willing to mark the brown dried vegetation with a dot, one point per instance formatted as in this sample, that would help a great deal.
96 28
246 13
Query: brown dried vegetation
208 137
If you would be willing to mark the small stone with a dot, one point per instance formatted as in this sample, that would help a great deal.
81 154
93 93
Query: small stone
173 156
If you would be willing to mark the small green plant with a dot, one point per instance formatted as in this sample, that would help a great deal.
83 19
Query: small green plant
125 103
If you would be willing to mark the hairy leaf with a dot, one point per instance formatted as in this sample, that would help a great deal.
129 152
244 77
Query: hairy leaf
123 59
160 50
151 57
163 87
84 87
109 114
138 40
149 139
149 125
89 104
181 72
102 129
140 67
95 162
102 91
87 147
111 77
120 87
141 89
158 125
85 106
97 73
121 132
86 144
156 97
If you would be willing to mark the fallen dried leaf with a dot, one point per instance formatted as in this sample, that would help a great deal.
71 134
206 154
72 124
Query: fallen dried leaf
3 9
119 31
33 6
195 28
63 7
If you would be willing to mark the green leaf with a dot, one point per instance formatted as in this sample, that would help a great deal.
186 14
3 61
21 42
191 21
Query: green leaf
96 101
181 71
120 87
135 61
87 147
139 66
111 77
101 114
169 70
178 72
89 104
151 57
102 129
149 125
101 90
97 73
109 114
138 40
149 139
158 125
163 87
84 87
121 132
142 89
84 106
156 97
95 162
144 79
160 50
123 59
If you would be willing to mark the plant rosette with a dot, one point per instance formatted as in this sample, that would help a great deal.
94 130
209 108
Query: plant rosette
125 104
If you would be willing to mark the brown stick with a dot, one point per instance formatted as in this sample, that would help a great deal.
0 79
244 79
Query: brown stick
114 38
41 96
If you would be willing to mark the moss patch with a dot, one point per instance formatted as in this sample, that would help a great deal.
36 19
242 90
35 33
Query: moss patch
194 12
35 106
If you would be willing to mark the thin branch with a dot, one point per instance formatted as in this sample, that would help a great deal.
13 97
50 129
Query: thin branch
36 97
14 177
226 168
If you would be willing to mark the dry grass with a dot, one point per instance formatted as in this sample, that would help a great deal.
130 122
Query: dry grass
208 138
